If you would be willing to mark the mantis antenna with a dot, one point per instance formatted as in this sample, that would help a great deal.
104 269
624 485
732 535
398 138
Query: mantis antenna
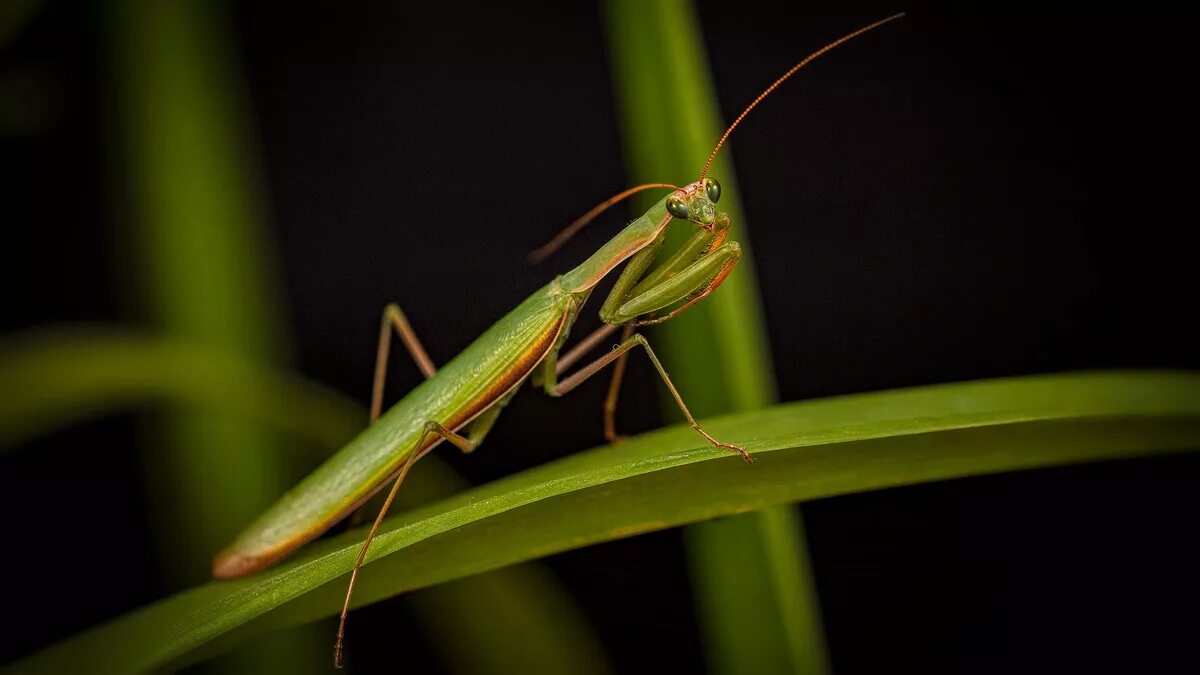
546 250
791 71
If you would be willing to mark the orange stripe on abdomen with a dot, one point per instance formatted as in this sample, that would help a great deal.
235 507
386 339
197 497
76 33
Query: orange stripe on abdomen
511 377
235 562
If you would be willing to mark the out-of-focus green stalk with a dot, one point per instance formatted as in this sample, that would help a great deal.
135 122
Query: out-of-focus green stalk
197 211
56 377
753 584
206 275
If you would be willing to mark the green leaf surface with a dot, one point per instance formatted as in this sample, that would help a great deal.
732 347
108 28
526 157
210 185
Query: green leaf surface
666 478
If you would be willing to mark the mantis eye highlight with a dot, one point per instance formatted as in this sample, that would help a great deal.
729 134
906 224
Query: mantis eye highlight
713 189
676 207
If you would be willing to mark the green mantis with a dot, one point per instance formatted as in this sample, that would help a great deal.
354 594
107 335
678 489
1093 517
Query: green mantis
461 401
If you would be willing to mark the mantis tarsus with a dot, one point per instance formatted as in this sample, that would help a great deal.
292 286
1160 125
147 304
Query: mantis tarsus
461 401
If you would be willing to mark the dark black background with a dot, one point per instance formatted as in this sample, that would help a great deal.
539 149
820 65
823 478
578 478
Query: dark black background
953 197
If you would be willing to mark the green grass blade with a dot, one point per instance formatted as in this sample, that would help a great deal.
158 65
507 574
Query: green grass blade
202 252
670 121
519 631
765 552
764 617
208 275
53 378
666 478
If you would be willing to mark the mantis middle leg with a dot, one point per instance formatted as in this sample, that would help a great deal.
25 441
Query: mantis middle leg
464 443
556 388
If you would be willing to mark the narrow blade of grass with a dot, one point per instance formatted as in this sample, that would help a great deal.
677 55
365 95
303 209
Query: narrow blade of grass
666 478
758 608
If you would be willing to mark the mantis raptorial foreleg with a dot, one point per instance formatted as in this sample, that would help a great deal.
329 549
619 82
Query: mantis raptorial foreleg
691 273
700 243
717 254
700 277
688 275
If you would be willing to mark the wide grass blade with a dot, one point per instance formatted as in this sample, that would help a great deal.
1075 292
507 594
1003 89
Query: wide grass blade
52 378
758 607
667 478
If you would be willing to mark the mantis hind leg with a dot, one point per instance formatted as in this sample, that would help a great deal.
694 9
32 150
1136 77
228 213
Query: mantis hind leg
394 320
431 427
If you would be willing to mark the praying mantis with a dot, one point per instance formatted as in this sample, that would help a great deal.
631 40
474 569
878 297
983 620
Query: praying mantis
460 401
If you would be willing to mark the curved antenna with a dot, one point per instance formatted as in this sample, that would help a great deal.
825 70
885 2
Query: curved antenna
791 71
546 250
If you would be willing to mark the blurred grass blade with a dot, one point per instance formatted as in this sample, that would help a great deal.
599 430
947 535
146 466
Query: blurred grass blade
202 251
666 478
53 378
56 377
755 556
208 276
670 122
493 623
758 607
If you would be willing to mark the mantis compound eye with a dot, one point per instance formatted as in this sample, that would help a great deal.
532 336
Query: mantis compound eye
676 207
713 189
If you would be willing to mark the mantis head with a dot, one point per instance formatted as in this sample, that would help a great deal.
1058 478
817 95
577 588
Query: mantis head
696 202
